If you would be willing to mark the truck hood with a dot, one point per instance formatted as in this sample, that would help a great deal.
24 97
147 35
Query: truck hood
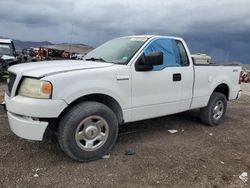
46 68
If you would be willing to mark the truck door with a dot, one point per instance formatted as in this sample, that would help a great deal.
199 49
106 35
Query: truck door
187 76
158 92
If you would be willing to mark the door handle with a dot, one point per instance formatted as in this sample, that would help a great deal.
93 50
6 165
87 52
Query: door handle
176 77
121 77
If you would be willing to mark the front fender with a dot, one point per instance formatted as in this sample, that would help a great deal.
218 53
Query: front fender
73 85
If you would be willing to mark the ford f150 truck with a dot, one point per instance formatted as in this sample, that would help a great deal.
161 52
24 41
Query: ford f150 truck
124 80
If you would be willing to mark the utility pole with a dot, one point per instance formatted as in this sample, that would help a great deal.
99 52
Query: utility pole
71 36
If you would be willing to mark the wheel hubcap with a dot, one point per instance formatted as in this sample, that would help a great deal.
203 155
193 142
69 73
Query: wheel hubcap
218 110
91 133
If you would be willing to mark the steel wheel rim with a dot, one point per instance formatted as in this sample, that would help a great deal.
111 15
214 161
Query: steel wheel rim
218 110
91 133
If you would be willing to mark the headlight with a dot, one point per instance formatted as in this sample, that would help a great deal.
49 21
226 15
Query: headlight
35 88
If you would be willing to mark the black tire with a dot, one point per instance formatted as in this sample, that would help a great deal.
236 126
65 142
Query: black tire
71 120
208 115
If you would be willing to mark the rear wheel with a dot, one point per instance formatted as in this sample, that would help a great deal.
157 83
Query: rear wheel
213 114
88 131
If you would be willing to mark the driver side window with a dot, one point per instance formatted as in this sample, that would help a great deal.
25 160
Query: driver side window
169 48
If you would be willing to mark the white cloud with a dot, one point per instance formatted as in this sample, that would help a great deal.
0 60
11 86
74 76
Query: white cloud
99 20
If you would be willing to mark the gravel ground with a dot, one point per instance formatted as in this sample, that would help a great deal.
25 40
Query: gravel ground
195 156
245 89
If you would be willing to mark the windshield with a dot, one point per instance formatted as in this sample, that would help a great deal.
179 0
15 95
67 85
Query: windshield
5 49
118 51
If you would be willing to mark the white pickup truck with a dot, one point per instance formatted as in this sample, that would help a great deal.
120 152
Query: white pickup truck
124 80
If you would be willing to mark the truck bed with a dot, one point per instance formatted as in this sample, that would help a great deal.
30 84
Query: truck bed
209 76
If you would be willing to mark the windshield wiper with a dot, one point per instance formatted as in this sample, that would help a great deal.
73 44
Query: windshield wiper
95 59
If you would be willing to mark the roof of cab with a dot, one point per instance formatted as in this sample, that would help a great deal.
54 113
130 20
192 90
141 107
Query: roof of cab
154 36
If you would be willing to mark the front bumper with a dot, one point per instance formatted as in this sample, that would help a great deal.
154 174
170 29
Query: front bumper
24 115
41 108
26 127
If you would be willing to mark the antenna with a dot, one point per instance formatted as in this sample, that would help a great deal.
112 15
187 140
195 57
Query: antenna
71 35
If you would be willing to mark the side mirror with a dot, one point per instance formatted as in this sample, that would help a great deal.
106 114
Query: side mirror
145 63
154 58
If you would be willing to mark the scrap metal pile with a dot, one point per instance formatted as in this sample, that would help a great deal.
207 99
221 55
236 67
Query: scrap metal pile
9 56
244 77
42 54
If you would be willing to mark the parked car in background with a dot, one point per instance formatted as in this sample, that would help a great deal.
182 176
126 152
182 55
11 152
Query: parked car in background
77 56
8 54
124 80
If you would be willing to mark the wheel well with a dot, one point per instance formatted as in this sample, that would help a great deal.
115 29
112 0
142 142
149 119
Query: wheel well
101 98
222 88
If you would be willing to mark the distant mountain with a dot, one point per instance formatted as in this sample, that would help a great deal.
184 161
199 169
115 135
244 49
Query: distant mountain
73 48
79 44
19 45
27 44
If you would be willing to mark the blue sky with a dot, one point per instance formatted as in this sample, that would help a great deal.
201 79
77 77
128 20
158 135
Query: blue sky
218 28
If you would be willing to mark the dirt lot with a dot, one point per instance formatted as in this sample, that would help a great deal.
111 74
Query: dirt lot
196 156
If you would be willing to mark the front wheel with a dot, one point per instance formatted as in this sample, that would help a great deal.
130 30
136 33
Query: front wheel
88 131
214 113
